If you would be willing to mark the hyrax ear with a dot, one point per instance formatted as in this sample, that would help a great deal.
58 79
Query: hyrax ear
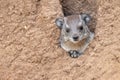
59 22
86 17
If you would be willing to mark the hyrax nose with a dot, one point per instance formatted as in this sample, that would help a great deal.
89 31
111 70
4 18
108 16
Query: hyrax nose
75 38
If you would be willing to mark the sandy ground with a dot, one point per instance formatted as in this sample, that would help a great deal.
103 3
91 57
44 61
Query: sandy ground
29 41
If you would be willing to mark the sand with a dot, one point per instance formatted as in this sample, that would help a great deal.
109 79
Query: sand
29 47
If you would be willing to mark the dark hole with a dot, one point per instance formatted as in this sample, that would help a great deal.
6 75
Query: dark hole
90 7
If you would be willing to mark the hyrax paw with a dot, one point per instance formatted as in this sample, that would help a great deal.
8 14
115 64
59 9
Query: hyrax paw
74 54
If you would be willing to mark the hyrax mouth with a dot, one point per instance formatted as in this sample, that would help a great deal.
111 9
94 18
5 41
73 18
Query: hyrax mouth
75 38
74 45
74 41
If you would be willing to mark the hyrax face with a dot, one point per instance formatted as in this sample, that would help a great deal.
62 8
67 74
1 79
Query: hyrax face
74 28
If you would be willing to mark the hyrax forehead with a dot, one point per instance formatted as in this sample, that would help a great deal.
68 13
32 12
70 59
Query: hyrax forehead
73 21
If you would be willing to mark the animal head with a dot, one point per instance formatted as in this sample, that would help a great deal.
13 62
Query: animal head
74 27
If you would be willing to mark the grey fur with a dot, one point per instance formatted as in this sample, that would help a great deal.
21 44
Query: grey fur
75 34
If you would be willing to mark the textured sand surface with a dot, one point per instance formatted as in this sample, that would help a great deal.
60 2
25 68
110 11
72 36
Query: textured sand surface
29 41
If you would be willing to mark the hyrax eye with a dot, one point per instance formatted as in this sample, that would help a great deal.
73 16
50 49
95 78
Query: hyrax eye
81 28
